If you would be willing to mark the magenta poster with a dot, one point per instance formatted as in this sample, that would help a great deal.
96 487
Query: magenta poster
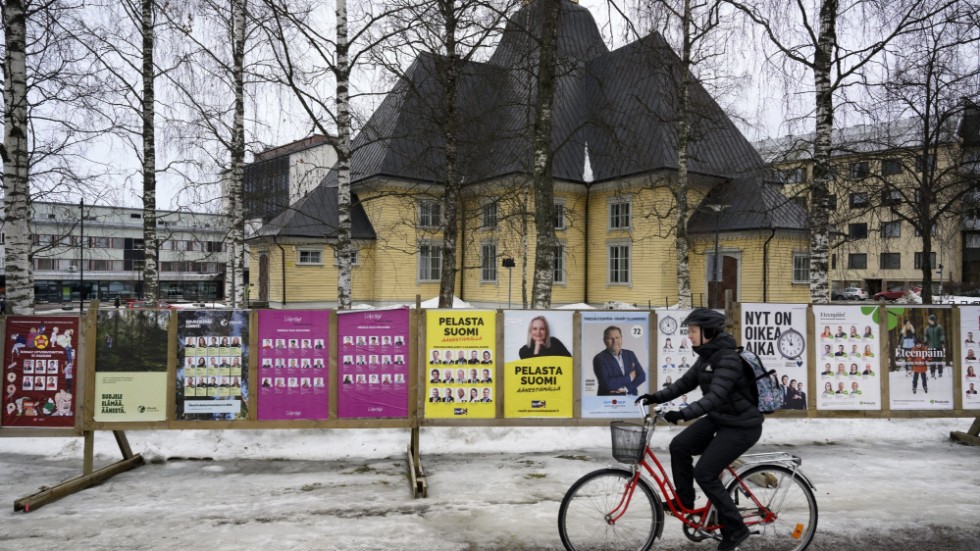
293 364
373 358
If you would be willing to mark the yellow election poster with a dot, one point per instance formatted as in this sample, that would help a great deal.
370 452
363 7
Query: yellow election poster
460 364
538 370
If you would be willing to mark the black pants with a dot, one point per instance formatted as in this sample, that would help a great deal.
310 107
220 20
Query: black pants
718 446
915 381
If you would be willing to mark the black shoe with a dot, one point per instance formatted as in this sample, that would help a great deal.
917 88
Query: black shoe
730 541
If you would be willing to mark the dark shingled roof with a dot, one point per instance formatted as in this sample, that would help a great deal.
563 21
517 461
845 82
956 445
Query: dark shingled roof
619 106
315 216
751 204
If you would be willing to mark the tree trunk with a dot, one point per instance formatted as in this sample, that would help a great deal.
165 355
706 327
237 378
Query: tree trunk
544 190
236 231
450 200
819 188
681 243
151 281
16 185
344 251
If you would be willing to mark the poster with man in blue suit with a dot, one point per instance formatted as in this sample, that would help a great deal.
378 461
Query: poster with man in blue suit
616 344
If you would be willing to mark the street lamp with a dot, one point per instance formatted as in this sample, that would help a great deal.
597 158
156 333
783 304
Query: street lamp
81 256
508 263
716 208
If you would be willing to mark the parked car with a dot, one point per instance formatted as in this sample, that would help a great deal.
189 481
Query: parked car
895 293
143 304
850 293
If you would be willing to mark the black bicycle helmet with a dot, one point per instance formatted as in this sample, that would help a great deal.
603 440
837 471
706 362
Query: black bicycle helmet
705 318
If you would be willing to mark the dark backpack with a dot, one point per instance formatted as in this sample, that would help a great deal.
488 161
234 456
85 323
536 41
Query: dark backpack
767 395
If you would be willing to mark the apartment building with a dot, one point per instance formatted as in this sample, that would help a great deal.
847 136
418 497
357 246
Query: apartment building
100 250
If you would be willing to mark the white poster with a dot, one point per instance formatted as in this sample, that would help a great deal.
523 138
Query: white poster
969 352
615 362
920 368
848 357
777 334
675 355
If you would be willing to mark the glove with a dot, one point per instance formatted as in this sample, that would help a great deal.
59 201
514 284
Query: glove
673 417
645 400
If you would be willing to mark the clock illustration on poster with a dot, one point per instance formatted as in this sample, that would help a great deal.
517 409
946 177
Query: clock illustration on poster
791 344
668 325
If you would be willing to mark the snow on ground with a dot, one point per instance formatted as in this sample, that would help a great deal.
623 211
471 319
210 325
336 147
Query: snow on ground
880 484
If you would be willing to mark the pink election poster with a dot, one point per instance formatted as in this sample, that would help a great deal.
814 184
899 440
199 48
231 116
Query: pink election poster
373 363
292 377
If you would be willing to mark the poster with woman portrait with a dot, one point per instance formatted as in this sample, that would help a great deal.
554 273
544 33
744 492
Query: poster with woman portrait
538 375
920 363
212 365
39 365
302 359
848 357
969 354
674 355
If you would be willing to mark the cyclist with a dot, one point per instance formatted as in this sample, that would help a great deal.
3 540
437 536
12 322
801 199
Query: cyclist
730 421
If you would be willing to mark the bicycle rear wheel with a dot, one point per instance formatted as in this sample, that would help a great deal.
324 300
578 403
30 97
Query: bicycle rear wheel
789 499
582 522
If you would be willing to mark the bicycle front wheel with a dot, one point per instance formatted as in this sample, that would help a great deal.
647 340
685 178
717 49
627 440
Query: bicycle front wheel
584 516
789 503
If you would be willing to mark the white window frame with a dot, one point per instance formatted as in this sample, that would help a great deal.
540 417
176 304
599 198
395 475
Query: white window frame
314 257
615 216
427 250
801 267
560 218
430 214
613 249
560 274
488 262
488 216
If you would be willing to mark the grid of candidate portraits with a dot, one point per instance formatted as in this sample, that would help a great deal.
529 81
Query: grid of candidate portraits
462 376
848 362
213 366
373 362
290 365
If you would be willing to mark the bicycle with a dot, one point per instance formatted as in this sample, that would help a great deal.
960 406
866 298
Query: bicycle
603 510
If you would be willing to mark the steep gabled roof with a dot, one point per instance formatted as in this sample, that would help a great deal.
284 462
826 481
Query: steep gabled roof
316 217
750 204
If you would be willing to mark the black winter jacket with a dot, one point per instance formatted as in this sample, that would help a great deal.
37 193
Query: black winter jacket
724 388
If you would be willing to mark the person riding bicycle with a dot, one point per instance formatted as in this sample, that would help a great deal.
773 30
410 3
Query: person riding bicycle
730 421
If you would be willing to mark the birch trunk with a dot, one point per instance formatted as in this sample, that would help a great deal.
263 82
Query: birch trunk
681 243
343 161
236 231
544 192
819 188
450 200
151 281
16 185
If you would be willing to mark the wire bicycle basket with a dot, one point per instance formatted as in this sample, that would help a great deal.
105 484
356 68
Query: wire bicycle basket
628 441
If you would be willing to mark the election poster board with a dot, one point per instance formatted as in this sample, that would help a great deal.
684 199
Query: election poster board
461 363
615 362
538 376
373 357
212 359
848 360
920 373
675 355
777 334
131 365
39 366
292 359
969 352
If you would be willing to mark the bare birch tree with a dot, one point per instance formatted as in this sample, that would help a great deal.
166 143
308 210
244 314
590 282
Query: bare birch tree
809 38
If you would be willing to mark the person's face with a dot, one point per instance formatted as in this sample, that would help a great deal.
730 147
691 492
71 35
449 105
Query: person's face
539 331
435 393
486 393
694 333
854 386
828 386
486 373
449 355
461 355
460 374
826 349
486 355
435 354
473 355
840 386
614 341
785 379
461 393
826 367
435 374
449 392
841 348
969 335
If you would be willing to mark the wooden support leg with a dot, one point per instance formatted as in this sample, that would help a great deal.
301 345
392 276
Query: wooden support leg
88 453
123 442
416 474
971 437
